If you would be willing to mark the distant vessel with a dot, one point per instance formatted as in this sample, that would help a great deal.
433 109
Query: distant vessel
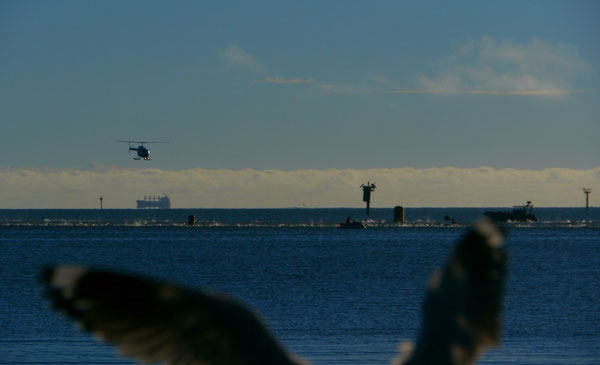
149 202
351 225
520 213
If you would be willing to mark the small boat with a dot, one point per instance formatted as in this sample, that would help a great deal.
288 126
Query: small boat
351 225
520 213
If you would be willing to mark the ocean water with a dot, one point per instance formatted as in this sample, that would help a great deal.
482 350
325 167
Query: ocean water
331 296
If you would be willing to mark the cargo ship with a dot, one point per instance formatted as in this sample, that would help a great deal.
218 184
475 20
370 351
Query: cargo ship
154 202
520 213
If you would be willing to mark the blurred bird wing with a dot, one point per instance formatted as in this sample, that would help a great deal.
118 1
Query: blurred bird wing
461 313
158 322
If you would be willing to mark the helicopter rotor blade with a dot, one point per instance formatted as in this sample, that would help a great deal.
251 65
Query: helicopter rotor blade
141 142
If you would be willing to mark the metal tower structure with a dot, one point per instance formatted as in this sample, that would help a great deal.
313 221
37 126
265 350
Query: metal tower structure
587 192
367 189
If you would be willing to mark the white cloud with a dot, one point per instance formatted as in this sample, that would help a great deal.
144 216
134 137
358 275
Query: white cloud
330 88
490 66
485 66
203 188
236 57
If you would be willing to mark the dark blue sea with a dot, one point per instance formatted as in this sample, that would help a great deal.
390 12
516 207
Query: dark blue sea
331 296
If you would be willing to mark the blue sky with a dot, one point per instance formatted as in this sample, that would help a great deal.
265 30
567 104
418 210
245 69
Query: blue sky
300 85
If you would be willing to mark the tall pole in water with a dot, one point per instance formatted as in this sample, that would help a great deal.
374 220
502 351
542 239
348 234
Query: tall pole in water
367 194
101 201
587 192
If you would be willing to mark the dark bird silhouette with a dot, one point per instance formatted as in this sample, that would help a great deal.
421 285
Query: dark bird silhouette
159 322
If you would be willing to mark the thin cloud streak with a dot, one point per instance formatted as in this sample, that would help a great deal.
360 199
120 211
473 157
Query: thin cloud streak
204 188
278 80
485 66
555 92
234 56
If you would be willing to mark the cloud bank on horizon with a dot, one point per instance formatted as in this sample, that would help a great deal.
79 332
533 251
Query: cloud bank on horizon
204 188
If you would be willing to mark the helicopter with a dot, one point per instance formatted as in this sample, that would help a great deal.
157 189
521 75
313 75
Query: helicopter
142 152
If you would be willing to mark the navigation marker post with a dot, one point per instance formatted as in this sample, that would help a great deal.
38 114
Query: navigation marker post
587 192
367 194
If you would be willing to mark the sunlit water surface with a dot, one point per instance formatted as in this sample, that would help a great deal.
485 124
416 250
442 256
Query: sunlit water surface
332 296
